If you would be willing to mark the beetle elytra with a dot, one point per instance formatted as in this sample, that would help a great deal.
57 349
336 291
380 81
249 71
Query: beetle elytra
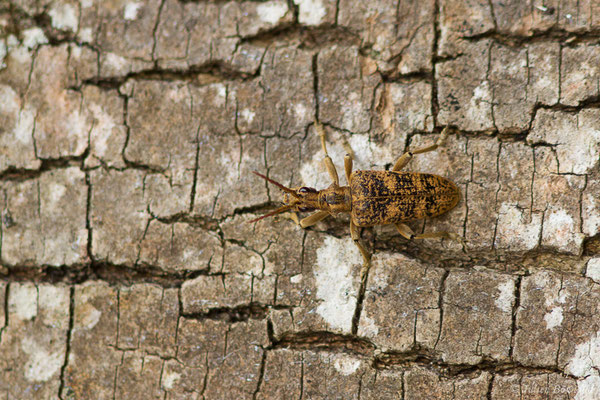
374 197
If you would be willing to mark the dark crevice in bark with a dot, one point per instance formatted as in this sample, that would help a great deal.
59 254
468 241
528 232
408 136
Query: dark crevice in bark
5 309
552 35
88 220
118 324
261 375
493 14
270 331
126 275
360 385
114 274
116 379
441 291
203 74
428 359
155 31
360 298
231 314
195 175
322 340
514 263
47 164
301 378
515 311
435 104
308 37
199 221
560 59
490 387
411 77
295 11
591 246
63 370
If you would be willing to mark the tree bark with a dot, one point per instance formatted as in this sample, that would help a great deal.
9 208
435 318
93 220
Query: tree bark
128 134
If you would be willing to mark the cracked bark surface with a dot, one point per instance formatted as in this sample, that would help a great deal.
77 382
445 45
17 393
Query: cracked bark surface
128 133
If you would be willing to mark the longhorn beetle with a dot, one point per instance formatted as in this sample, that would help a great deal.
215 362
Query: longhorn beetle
374 197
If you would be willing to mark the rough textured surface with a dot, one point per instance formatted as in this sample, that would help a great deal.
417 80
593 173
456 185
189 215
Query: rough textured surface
411 290
128 134
45 219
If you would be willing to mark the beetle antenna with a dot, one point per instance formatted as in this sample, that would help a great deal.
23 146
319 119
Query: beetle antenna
279 210
279 185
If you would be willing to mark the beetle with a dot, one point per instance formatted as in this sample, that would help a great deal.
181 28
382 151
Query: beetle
374 197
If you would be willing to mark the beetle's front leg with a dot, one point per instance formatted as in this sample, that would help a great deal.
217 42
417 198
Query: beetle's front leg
348 167
327 160
313 219
406 157
408 233
294 217
356 237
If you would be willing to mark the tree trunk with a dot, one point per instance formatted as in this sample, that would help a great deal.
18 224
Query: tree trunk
128 134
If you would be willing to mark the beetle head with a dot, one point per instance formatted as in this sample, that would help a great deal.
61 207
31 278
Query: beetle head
299 199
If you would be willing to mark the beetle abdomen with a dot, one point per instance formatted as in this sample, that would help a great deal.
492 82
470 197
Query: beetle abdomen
385 197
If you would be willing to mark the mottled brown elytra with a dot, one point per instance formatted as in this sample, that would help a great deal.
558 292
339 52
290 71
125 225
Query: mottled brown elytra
374 197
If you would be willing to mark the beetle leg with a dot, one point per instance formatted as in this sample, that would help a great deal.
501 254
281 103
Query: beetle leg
438 143
347 147
327 160
408 233
406 157
356 237
348 167
313 219
294 217
405 231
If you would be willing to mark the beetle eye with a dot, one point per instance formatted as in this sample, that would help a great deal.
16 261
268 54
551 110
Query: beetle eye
305 209
306 190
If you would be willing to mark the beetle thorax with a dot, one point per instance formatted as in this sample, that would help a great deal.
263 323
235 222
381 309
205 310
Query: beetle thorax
335 199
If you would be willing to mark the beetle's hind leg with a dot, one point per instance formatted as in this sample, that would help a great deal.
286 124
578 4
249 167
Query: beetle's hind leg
356 237
408 233
406 157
